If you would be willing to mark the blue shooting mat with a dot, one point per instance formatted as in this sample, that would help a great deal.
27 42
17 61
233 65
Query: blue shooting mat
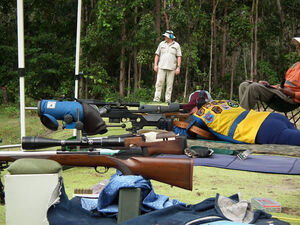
253 163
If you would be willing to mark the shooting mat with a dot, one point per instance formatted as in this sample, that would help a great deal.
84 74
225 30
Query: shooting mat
253 163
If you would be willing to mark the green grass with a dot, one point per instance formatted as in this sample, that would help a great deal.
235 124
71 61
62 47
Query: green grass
10 125
207 181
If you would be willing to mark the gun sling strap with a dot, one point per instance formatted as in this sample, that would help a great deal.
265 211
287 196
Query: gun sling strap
197 130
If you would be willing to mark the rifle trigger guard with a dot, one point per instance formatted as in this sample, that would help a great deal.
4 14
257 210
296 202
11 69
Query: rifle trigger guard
100 172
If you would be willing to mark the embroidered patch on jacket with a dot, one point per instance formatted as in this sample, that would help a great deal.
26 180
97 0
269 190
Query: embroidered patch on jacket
209 117
217 109
207 105
225 106
233 104
200 112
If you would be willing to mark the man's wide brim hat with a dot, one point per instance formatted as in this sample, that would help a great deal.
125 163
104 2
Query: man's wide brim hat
296 40
169 34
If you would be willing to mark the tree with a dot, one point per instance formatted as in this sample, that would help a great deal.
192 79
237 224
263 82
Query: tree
119 39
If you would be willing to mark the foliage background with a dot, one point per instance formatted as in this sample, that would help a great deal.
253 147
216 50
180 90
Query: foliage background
128 32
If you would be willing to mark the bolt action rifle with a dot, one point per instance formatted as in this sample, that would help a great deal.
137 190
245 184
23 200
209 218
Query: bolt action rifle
164 144
158 116
87 115
176 172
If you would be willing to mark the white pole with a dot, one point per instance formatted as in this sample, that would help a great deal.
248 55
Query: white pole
77 48
21 64
77 52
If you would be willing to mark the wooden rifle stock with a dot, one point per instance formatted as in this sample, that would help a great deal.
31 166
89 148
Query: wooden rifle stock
180 116
176 172
174 146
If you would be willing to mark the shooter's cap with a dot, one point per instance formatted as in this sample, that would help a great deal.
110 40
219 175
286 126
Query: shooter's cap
169 34
202 98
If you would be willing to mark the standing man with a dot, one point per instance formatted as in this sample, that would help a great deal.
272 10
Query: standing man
251 92
167 63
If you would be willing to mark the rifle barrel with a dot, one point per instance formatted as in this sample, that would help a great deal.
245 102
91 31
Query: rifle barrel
102 103
173 107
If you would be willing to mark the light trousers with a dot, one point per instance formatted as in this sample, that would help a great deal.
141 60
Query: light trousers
251 93
163 75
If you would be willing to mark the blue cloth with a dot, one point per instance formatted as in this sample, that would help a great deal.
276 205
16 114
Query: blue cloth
107 203
180 131
224 222
70 212
205 212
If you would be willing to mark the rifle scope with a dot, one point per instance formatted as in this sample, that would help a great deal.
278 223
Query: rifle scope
31 142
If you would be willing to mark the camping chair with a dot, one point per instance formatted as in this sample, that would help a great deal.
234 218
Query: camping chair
281 106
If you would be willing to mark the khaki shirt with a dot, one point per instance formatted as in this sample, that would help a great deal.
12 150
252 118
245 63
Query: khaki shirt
168 54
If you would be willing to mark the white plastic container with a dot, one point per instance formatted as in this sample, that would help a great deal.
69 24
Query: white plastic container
28 197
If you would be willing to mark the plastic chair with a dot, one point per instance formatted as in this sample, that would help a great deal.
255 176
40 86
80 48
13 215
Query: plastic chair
281 106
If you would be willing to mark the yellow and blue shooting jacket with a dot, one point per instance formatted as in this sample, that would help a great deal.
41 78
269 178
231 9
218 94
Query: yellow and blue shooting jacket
230 122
